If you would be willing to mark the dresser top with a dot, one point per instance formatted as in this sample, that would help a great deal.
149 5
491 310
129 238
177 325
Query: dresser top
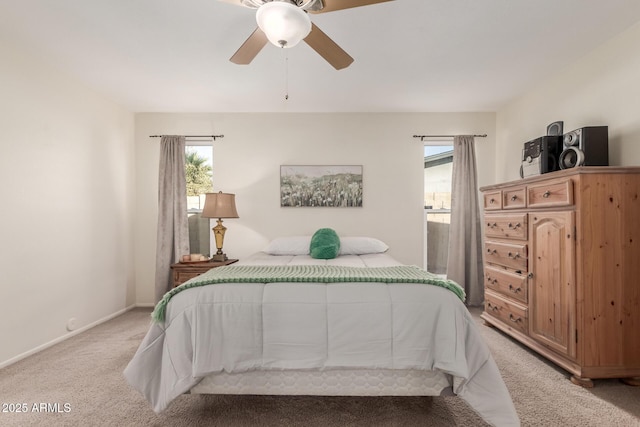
567 173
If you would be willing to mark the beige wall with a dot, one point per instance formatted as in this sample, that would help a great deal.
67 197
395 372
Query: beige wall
67 205
247 162
603 88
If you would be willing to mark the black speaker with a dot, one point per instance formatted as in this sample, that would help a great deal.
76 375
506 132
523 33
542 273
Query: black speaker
587 146
540 156
555 129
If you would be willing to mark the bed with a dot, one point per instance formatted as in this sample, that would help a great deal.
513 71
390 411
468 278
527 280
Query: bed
283 322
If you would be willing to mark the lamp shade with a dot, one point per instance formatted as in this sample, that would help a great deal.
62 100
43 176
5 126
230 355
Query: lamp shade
220 205
284 24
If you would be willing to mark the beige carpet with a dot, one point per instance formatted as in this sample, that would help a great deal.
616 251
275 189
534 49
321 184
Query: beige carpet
81 381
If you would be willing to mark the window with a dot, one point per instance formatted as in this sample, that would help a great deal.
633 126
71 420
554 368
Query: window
199 174
438 167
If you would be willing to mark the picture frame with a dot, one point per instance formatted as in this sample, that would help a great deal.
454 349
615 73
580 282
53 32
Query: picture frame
321 186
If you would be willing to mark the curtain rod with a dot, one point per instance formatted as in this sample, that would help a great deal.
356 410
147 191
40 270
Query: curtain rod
422 137
192 136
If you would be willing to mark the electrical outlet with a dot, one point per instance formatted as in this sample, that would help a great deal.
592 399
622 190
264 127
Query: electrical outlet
72 324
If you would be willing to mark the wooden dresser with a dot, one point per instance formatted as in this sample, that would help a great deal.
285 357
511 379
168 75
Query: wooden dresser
562 268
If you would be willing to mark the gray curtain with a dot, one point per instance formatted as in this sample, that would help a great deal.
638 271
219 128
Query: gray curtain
173 228
464 263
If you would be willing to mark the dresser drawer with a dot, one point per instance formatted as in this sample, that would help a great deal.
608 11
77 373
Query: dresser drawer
507 254
559 193
514 198
492 200
506 282
512 226
509 312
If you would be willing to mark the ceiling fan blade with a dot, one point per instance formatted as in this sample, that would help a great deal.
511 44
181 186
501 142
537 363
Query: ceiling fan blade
250 48
332 5
327 48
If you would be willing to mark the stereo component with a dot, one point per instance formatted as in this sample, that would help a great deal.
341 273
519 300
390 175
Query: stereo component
587 146
555 129
540 155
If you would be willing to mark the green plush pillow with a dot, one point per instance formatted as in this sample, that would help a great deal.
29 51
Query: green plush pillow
325 244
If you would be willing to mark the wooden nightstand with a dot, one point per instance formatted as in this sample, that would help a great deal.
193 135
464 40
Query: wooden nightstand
184 271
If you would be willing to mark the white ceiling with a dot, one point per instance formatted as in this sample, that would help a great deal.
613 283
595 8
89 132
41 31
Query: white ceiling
410 55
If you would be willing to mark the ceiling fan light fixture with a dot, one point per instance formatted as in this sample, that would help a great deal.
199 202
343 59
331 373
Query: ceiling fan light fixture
284 23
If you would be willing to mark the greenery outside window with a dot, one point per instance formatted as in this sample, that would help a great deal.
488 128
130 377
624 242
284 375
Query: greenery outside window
199 177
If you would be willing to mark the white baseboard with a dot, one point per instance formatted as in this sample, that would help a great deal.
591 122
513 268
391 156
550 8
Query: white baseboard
69 335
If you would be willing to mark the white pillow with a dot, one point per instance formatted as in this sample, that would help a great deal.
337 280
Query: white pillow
361 246
299 245
294 245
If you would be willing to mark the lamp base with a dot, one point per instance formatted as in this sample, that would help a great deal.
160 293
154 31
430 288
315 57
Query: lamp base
219 257
218 234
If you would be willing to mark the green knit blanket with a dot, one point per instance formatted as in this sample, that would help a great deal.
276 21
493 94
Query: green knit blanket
308 273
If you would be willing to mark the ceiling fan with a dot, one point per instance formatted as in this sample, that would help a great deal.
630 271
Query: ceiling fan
284 23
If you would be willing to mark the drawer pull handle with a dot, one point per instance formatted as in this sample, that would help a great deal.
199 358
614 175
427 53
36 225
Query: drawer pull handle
492 252
514 289
546 194
517 225
513 256
514 198
492 201
492 307
514 318
492 225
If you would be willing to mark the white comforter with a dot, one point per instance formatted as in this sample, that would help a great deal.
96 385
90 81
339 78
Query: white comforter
237 327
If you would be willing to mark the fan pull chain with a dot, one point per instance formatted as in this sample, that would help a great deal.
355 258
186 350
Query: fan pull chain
286 75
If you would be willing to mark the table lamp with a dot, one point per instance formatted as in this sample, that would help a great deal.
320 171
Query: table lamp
219 205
